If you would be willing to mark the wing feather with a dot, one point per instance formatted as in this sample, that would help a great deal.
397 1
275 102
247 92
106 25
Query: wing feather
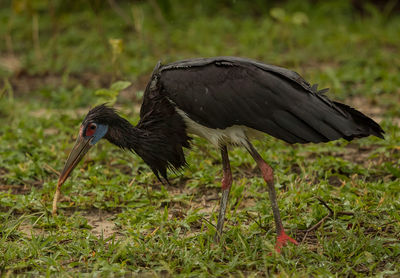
225 91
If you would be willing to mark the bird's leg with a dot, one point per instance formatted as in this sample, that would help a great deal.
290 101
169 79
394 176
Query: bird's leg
226 188
268 175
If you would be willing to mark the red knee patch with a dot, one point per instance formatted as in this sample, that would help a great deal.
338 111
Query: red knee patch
226 181
267 172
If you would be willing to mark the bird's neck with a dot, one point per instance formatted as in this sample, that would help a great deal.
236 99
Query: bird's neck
124 135
159 145
149 145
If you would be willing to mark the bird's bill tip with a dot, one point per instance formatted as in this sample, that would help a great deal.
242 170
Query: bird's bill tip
81 147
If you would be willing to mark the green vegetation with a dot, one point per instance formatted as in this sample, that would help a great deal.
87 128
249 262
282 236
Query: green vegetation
115 217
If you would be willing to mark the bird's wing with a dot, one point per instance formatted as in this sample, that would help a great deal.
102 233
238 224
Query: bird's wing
225 91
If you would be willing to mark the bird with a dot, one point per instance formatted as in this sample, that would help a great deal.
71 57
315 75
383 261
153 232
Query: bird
229 101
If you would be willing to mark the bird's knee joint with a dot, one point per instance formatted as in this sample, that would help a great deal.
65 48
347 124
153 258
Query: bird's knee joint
227 181
267 173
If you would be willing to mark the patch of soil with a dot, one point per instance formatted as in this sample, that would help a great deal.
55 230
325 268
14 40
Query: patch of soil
365 105
335 181
16 189
362 155
3 172
357 154
10 63
102 223
28 230
21 189
23 83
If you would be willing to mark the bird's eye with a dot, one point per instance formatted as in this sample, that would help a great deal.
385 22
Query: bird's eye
91 128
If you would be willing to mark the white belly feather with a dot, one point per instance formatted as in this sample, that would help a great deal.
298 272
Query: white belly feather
234 135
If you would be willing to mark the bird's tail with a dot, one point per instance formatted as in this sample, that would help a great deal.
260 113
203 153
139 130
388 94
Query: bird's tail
365 125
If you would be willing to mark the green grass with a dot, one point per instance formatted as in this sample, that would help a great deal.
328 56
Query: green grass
151 229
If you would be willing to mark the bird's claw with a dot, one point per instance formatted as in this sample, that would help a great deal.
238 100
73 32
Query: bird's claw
282 240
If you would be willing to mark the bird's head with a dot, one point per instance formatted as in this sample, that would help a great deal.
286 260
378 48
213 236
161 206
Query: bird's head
95 126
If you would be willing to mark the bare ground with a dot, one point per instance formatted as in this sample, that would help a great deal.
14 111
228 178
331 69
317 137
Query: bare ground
102 224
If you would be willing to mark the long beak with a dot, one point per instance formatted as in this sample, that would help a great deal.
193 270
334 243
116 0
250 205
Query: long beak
81 147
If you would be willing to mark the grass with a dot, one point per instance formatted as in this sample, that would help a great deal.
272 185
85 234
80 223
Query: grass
115 217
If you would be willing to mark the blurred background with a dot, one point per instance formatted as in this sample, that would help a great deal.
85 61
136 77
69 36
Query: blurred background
49 47
59 58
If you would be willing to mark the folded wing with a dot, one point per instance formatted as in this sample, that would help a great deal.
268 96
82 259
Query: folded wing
225 91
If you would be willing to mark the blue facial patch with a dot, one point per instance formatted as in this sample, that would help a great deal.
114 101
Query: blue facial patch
101 130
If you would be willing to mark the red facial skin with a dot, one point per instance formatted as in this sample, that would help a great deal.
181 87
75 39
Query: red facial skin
90 129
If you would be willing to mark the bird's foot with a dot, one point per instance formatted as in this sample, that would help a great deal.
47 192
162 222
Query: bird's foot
282 240
217 237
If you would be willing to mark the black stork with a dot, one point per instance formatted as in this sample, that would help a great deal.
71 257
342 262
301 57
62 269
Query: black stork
226 100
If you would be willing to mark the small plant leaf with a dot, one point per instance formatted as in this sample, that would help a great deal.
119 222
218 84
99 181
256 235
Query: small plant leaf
120 85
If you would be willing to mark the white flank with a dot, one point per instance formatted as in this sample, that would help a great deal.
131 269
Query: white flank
234 135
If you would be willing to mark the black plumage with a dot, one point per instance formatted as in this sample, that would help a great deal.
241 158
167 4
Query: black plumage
226 91
222 99
223 92
158 138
